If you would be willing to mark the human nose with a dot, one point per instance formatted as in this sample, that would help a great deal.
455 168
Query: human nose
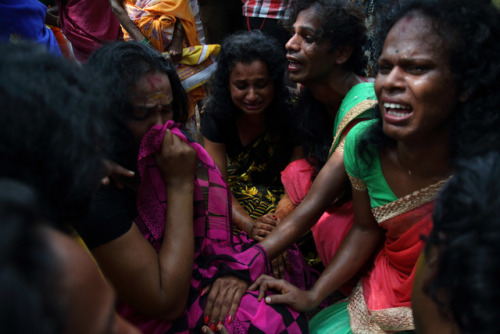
394 79
252 94
161 117
292 44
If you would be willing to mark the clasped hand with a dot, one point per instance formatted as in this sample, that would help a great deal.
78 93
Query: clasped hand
176 161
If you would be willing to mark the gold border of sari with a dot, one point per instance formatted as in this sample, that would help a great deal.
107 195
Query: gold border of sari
364 321
408 202
351 115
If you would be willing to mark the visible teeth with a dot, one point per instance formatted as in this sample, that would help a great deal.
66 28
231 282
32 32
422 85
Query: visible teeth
397 114
394 106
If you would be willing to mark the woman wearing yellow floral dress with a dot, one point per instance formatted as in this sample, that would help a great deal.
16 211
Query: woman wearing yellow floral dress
247 128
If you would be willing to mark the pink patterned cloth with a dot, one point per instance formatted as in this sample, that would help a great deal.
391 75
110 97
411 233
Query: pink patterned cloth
218 252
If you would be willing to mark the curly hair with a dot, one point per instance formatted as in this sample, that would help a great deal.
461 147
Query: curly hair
471 31
51 129
123 64
343 24
247 47
467 234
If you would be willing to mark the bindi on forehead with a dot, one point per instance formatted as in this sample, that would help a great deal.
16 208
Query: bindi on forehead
154 80
406 21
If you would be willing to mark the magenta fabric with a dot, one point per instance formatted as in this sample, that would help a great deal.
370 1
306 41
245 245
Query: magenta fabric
218 252
88 24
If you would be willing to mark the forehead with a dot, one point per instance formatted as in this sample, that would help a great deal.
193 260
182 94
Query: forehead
308 19
412 35
151 84
256 68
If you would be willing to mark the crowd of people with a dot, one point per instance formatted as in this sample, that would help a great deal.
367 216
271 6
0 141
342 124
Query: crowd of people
338 176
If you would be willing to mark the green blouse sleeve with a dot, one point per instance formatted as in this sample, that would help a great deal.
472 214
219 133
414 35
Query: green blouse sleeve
356 167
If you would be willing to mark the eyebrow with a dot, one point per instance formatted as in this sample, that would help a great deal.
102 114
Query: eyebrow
307 28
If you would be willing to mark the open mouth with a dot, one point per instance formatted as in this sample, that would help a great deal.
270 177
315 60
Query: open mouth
294 66
397 110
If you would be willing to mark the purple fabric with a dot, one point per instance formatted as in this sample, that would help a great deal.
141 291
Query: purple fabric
218 252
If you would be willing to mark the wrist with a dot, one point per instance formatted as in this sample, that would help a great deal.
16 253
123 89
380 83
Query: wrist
177 34
179 186
314 298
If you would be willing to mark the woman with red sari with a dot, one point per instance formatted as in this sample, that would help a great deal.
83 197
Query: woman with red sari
429 105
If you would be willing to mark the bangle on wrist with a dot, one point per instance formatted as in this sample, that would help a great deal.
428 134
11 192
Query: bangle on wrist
145 41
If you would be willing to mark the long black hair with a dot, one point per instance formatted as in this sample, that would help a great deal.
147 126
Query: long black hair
122 65
247 47
471 31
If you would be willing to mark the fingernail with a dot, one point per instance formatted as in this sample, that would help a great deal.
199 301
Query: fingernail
219 326
203 292
212 327
204 329
207 319
274 217
268 300
229 319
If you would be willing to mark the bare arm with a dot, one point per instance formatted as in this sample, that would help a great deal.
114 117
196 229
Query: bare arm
323 192
176 44
218 153
157 284
356 249
122 16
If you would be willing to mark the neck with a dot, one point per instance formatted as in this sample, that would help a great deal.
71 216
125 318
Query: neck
430 160
331 91
252 120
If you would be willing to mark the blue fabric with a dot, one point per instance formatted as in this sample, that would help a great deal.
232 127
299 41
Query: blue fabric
25 20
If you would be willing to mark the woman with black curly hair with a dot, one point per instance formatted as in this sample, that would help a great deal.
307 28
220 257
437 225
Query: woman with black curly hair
247 128
456 281
437 89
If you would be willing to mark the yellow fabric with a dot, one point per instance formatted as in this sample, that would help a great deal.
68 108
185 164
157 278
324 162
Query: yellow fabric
195 55
156 19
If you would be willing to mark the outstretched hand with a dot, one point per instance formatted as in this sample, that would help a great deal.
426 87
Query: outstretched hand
224 297
287 293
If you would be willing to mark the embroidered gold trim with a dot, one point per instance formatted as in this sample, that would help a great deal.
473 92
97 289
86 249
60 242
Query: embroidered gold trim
408 202
355 111
340 147
357 184
364 321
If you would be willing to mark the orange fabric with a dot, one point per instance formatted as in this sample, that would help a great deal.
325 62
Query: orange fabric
156 19
390 282
62 41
